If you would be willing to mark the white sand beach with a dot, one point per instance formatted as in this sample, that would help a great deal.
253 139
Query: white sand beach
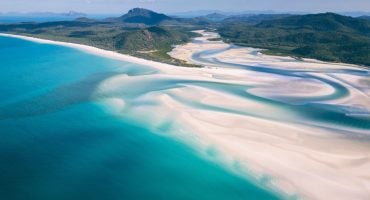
300 157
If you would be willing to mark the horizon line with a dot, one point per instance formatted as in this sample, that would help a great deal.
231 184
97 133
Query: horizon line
187 12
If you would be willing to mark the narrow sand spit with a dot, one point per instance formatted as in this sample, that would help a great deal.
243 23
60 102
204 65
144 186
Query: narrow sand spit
250 108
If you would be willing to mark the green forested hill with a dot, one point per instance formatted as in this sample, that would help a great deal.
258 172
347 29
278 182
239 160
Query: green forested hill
140 37
320 22
144 33
328 36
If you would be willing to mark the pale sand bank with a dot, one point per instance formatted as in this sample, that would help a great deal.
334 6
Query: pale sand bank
316 163
313 162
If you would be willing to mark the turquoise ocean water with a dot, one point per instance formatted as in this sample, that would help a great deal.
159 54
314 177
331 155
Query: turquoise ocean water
57 143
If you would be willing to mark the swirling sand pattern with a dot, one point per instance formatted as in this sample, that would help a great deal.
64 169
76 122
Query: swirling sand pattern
303 124
60 140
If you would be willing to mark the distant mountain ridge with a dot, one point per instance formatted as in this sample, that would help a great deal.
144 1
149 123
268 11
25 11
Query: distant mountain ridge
255 18
46 14
143 16
74 14
215 16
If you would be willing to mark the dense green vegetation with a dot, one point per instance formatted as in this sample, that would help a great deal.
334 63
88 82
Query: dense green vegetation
144 33
137 39
328 36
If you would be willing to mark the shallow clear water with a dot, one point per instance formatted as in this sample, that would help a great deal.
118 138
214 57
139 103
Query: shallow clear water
58 143
312 110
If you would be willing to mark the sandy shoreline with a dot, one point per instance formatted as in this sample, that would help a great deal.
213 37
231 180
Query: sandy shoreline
307 161
93 50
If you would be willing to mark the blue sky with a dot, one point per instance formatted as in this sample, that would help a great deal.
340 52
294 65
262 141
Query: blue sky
171 6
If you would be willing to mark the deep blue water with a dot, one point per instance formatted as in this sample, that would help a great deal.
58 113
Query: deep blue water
58 143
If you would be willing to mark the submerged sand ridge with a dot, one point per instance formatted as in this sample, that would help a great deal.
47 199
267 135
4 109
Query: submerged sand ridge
298 126
312 156
293 124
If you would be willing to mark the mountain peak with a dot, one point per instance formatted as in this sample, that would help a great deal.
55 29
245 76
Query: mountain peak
144 16
139 11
